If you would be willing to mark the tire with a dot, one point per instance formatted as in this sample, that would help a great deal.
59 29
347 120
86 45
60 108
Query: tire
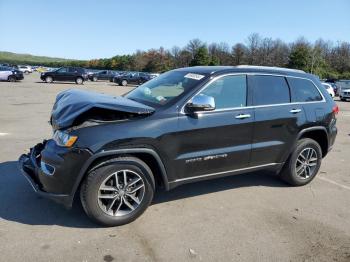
79 81
94 79
48 79
26 72
12 79
342 99
104 176
124 83
292 171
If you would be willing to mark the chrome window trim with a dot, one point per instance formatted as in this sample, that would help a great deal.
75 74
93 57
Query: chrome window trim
182 110
224 172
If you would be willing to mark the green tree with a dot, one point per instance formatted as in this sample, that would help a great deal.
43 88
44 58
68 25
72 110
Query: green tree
201 57
299 57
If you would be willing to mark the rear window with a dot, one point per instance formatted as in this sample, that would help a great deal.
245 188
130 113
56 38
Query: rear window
303 90
269 90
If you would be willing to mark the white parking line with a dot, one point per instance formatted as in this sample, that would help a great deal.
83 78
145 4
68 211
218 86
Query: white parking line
333 182
4 134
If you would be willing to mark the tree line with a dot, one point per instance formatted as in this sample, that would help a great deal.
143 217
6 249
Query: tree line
323 58
326 59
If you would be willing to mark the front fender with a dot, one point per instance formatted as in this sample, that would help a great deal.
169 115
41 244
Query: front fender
116 152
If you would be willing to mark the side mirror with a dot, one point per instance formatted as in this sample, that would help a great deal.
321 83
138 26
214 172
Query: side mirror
201 103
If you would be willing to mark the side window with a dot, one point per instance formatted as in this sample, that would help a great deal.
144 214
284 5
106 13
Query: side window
269 90
303 90
73 70
228 91
62 70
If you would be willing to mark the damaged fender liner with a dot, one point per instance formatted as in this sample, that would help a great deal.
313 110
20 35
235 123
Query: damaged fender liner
74 106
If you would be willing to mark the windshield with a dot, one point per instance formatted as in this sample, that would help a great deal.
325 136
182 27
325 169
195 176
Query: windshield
164 88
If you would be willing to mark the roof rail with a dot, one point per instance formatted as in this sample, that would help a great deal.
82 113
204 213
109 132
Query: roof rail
271 68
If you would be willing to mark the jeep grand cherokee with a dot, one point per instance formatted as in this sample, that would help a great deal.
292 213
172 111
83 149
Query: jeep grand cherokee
186 125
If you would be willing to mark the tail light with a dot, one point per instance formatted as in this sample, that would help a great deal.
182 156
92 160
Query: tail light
335 109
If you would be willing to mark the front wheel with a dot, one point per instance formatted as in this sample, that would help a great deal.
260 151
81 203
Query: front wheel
124 83
303 164
117 193
94 79
48 79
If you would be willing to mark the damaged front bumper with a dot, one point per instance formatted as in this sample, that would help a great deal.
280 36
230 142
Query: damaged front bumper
52 170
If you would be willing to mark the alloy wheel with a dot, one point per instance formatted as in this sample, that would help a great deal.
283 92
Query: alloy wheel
121 193
306 163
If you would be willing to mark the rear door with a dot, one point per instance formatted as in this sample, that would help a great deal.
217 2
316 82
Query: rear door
215 142
277 121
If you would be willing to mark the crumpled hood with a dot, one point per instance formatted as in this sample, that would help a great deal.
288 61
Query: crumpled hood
72 103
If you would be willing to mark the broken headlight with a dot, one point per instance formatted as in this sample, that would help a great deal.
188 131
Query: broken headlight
64 139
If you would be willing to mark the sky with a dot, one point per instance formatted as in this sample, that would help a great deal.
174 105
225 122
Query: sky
101 29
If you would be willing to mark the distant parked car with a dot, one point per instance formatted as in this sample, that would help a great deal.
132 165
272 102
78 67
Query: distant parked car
153 75
344 92
10 74
73 74
102 75
136 78
25 69
41 69
329 89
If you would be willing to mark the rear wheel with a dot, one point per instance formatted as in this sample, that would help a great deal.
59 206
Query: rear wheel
94 78
342 99
117 193
303 164
11 79
48 79
124 83
79 81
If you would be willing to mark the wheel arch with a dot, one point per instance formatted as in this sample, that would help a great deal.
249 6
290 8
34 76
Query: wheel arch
147 155
317 133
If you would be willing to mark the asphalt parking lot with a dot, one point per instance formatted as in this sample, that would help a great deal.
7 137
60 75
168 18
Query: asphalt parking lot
251 217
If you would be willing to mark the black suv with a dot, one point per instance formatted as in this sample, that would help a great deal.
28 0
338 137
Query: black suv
66 74
102 75
134 78
186 125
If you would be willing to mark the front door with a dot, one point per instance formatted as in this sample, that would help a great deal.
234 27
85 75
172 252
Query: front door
62 74
216 142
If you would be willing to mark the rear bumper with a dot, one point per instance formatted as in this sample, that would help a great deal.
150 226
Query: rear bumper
65 165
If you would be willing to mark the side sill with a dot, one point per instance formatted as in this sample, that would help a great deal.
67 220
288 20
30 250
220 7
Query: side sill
270 166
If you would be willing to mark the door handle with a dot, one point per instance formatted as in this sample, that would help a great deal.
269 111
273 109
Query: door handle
295 110
242 116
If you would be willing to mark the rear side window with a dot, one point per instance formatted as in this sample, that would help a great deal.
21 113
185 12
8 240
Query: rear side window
228 91
303 90
269 90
